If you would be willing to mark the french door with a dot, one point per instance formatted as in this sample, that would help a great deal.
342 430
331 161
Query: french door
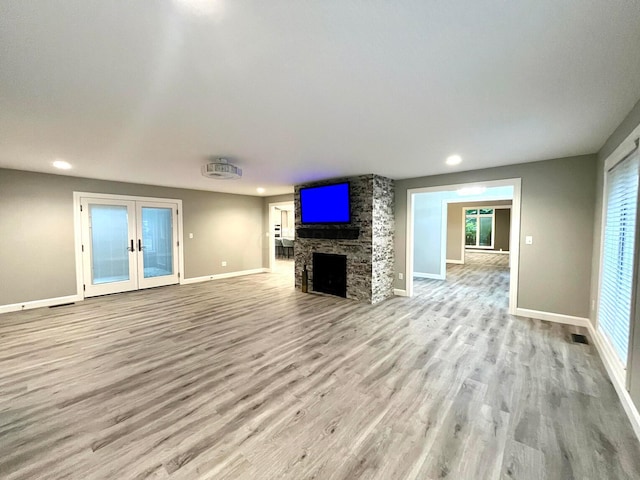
128 244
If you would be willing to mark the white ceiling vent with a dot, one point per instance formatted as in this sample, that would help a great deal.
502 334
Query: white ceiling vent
221 169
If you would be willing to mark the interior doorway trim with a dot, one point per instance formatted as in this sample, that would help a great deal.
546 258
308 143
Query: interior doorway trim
514 238
272 238
77 227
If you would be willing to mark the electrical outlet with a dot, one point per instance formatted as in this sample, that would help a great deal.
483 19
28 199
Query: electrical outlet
400 276
528 240
224 264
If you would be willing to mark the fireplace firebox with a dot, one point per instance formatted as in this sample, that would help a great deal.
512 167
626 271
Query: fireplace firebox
330 274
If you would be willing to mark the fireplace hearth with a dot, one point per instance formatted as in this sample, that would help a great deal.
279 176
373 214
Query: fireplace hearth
330 274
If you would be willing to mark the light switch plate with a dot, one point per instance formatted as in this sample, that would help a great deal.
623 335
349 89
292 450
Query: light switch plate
528 240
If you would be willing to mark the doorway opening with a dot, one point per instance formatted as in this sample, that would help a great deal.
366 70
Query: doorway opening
469 243
282 236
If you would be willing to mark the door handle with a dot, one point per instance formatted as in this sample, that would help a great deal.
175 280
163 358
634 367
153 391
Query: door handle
139 245
132 249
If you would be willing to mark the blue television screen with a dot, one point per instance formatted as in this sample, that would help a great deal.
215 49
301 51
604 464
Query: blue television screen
326 204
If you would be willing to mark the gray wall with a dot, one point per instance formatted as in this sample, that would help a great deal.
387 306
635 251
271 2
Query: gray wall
454 226
503 229
631 121
37 241
557 209
622 131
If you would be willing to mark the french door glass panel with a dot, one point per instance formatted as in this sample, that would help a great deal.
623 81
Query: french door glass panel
109 243
157 229
157 242
108 260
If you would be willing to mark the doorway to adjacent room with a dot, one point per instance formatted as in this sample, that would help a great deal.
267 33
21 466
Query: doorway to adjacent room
282 233
470 241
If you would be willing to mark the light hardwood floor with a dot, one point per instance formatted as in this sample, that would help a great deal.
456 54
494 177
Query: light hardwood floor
245 378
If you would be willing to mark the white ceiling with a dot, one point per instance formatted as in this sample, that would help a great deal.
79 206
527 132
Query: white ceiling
296 91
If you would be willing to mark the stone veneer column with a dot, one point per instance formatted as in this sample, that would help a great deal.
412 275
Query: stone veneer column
370 256
383 241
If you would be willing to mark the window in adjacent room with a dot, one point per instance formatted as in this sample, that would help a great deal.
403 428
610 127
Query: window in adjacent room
479 227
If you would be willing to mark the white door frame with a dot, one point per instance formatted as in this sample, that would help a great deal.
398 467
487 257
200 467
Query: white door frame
514 257
77 224
272 239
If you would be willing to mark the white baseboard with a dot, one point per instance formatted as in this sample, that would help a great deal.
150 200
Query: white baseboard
433 276
219 276
399 293
611 363
47 302
456 262
553 317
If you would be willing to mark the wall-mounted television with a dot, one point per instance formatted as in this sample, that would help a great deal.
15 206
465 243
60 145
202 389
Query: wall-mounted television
325 204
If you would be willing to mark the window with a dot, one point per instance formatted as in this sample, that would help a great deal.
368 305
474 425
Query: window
478 227
616 288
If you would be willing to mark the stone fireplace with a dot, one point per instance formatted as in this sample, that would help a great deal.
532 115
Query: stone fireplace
366 243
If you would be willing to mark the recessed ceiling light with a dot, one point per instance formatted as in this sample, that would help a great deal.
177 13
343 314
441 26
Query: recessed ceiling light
62 165
260 190
454 160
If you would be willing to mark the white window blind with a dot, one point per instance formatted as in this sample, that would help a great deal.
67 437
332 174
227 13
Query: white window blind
616 292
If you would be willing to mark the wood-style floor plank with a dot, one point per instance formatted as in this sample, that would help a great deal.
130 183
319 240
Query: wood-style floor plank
246 378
